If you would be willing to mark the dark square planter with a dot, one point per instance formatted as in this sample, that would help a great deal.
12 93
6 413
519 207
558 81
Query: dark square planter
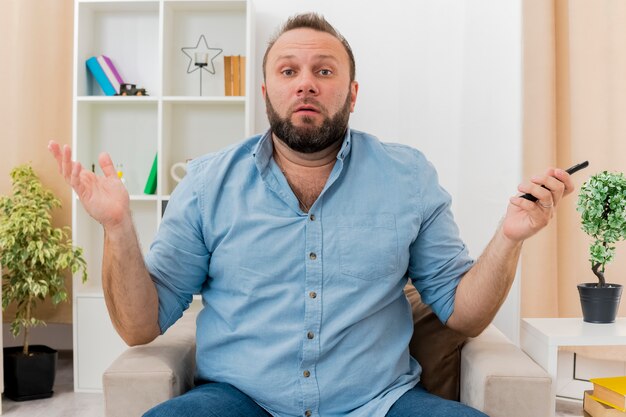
29 377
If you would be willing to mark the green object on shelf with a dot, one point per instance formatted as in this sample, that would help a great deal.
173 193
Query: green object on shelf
151 184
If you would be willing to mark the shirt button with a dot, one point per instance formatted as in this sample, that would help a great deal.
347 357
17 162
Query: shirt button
312 217
310 335
307 413
306 374
312 294
312 256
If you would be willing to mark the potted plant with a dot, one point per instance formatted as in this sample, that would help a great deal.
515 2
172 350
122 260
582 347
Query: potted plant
602 204
34 256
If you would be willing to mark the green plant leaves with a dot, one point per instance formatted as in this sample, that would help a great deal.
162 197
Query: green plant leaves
602 205
33 254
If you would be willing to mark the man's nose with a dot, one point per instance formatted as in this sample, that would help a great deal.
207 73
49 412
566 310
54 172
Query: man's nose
307 84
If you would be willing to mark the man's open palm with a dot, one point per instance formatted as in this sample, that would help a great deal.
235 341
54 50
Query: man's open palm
105 198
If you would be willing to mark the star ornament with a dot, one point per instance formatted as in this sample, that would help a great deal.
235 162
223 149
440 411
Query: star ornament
191 51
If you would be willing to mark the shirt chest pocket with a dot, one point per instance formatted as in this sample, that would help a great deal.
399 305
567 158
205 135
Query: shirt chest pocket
368 246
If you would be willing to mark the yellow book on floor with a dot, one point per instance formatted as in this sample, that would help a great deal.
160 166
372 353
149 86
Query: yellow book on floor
595 408
610 391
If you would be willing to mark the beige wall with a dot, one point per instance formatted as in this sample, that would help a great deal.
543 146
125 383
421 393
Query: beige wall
574 106
36 106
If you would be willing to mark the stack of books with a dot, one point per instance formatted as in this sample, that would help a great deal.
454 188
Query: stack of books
608 398
235 75
105 74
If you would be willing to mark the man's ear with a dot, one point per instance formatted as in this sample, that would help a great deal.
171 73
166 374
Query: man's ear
354 89
263 90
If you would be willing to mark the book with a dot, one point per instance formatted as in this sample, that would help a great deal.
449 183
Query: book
151 183
100 77
610 391
236 60
111 72
242 76
228 76
234 75
595 408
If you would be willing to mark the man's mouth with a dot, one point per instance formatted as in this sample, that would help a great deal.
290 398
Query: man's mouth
306 109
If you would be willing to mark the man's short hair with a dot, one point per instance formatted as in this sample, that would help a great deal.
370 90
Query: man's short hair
311 21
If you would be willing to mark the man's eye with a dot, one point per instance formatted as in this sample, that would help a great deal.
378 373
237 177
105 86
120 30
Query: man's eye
326 72
288 72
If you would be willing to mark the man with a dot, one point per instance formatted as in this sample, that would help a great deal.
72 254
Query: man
300 242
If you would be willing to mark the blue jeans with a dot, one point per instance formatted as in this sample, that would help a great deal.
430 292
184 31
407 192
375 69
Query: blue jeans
212 399
223 400
418 402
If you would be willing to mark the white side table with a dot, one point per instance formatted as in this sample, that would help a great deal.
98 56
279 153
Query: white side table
541 338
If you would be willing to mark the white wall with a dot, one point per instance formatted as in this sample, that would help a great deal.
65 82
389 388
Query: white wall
443 76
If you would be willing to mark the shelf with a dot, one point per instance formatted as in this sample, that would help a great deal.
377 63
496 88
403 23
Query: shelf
117 99
205 99
192 129
223 24
134 197
143 197
88 234
144 41
126 32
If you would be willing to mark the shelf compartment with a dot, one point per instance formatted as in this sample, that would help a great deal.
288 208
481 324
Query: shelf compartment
223 24
194 129
126 32
127 131
90 236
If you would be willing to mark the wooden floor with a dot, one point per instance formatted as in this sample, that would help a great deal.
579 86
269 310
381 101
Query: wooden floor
566 408
66 403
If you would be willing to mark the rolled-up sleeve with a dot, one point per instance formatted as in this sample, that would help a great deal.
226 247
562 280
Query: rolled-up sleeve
438 256
178 259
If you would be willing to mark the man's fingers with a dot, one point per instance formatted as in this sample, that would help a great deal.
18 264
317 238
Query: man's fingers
106 164
54 149
566 179
523 203
66 164
536 189
75 177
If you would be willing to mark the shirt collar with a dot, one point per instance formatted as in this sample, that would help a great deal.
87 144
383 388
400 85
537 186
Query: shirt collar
345 146
263 151
265 148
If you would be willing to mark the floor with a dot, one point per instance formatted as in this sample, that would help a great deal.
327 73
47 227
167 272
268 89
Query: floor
66 403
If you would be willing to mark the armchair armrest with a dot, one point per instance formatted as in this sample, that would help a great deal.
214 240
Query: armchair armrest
144 376
498 378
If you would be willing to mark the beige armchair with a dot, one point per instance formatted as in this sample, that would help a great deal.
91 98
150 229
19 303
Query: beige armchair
495 375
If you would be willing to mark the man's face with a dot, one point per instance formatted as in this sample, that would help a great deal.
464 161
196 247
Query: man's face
307 90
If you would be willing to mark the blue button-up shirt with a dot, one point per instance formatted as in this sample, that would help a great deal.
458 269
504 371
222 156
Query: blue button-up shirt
305 311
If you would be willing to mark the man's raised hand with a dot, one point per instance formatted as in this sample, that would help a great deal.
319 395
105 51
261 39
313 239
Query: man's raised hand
105 198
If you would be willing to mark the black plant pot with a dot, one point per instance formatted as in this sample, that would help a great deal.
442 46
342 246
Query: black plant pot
599 304
29 377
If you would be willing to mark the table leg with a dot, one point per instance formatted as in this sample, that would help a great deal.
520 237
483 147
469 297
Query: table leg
552 365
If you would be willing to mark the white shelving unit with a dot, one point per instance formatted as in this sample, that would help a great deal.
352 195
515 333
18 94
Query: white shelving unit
144 38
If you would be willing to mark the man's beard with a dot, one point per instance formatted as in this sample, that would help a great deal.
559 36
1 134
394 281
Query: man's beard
310 138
